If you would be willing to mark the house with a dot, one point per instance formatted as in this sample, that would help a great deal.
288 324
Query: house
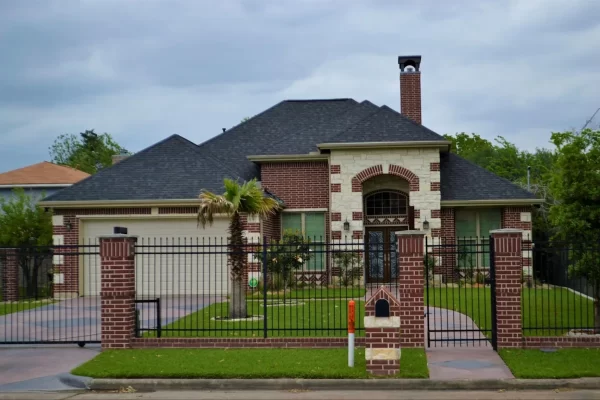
345 170
39 180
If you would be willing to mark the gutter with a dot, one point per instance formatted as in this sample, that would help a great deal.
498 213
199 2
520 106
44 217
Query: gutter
288 157
441 144
118 203
499 202
36 185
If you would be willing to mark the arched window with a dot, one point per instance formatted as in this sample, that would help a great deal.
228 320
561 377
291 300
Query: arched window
386 202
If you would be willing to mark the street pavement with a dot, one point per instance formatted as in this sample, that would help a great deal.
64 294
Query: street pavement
311 395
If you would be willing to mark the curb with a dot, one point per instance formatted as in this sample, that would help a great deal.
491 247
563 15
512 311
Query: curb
74 381
149 385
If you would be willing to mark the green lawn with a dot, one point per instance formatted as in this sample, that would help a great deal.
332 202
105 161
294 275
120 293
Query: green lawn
315 293
9 308
241 363
564 363
308 318
557 310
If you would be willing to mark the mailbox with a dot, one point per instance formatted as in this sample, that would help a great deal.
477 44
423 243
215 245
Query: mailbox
382 308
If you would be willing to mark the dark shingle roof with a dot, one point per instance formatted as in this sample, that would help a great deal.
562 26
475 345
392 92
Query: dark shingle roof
174 168
463 180
385 125
178 169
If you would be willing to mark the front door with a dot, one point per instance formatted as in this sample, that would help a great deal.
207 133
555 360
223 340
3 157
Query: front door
381 249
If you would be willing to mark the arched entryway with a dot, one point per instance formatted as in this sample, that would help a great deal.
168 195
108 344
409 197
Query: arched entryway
386 210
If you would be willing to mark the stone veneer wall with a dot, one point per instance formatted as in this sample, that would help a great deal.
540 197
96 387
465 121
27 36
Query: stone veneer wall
350 167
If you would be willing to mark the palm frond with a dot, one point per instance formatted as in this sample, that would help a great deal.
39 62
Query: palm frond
212 204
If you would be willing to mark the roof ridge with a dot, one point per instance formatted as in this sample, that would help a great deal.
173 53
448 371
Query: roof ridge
379 109
489 172
121 163
286 137
411 121
238 125
63 166
317 100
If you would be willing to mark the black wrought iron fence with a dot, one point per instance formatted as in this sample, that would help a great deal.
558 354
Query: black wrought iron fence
458 291
50 294
289 287
560 287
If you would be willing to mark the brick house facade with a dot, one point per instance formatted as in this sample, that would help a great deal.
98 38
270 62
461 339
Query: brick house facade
344 171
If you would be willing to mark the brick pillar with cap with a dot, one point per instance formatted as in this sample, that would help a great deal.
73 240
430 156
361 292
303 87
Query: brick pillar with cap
117 292
411 281
10 274
508 270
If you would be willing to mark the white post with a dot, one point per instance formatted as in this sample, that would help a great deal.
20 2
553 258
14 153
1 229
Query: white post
351 349
351 326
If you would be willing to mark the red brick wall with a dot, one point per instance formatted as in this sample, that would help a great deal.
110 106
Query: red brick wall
298 184
117 258
448 236
537 342
289 342
507 256
410 95
272 227
511 218
410 290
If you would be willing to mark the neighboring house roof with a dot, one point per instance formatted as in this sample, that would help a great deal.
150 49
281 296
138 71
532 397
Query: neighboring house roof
178 169
463 180
44 173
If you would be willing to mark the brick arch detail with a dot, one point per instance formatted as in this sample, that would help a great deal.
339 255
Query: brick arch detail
376 170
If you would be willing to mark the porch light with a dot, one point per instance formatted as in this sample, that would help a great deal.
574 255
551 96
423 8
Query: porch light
346 225
425 224
69 226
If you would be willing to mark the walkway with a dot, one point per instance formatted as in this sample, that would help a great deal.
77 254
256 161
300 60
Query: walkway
470 358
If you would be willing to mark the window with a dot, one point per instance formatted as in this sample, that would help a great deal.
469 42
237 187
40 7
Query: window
312 226
472 231
385 203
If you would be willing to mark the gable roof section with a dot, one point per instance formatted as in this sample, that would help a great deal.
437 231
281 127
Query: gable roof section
278 127
44 173
385 125
463 180
174 168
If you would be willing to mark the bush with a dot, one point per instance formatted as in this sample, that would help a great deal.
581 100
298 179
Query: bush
350 265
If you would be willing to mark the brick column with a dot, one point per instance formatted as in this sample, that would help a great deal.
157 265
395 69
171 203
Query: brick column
382 344
117 263
10 274
411 283
507 261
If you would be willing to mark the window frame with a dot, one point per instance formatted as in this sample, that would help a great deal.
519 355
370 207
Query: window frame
322 240
479 242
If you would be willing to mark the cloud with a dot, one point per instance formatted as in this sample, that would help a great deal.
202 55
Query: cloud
142 72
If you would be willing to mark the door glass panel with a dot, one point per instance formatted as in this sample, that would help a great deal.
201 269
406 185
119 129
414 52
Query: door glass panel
393 254
376 260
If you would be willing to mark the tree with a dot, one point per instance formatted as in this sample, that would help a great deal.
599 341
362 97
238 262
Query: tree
238 199
576 214
27 228
88 152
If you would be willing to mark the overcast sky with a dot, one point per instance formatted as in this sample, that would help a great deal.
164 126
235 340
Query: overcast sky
143 70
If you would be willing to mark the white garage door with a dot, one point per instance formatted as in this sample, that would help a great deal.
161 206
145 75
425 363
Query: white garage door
176 256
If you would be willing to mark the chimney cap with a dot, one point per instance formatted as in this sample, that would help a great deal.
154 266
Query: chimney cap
409 61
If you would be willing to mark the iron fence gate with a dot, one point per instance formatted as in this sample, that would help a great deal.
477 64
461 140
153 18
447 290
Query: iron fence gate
47 294
459 292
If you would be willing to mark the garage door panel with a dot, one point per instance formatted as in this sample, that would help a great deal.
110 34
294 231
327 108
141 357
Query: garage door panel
174 256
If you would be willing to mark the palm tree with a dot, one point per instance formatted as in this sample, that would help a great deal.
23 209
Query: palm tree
238 199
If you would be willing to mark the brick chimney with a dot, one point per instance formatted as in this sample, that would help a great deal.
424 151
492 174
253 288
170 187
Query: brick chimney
410 87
